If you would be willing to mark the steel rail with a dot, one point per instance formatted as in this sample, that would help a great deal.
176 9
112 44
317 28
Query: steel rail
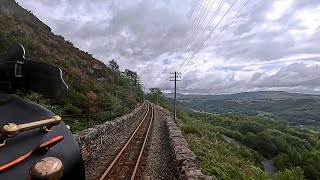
136 168
120 154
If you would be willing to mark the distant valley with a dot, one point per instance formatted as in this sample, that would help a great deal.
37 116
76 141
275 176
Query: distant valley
294 108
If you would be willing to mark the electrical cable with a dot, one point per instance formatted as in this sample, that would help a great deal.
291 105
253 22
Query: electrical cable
208 35
201 6
226 26
188 24
207 26
189 45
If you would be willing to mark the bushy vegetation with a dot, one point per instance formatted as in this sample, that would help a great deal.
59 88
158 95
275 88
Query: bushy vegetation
97 91
289 147
295 151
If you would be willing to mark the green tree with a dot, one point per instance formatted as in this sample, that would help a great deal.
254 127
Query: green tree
293 174
132 76
114 65
156 91
282 161
155 94
249 139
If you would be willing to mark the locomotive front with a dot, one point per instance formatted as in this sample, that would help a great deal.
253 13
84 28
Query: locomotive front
34 142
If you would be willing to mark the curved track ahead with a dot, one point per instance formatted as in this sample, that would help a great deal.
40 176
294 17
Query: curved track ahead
127 163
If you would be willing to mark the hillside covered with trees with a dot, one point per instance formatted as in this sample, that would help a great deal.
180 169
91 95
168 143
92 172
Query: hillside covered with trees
293 108
97 91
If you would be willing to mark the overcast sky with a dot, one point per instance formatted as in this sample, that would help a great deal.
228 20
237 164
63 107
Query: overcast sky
270 44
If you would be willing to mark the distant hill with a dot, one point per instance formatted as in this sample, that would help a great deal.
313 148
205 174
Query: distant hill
295 108
243 95
90 81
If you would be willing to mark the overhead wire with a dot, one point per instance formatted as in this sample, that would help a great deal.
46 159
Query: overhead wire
205 17
198 27
201 6
182 67
197 24
207 27
196 18
188 24
226 26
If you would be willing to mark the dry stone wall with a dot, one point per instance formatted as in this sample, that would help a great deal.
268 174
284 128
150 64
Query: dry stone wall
186 159
99 142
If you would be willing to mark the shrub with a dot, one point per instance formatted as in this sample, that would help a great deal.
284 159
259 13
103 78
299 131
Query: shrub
190 129
293 174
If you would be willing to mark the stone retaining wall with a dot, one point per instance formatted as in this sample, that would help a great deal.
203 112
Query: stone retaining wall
186 159
96 142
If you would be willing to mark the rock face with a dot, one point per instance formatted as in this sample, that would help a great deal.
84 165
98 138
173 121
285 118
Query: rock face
98 144
186 159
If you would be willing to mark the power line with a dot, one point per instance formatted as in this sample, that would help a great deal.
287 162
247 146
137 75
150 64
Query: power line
206 28
209 10
198 27
208 35
197 24
214 15
188 25
226 26
201 6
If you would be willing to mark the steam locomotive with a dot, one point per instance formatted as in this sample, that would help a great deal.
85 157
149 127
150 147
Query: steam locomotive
34 142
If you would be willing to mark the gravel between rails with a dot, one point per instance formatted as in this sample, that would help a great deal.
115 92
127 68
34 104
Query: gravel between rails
97 166
159 162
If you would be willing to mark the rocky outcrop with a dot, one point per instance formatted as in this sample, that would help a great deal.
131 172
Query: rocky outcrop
186 159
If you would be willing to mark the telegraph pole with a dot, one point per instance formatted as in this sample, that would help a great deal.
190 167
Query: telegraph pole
157 88
157 97
173 77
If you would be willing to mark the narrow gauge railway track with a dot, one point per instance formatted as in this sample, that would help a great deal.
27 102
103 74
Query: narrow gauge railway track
127 163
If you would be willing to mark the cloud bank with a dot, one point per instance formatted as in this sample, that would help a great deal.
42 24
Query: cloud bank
270 45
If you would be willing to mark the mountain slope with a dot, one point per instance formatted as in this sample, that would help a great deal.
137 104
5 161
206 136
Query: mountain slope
93 86
291 107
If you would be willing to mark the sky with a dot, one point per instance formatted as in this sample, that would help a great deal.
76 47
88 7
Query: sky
218 48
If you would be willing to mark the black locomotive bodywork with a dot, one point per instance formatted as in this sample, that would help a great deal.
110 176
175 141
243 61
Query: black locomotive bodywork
30 133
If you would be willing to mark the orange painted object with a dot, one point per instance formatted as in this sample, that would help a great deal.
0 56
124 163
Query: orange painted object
48 144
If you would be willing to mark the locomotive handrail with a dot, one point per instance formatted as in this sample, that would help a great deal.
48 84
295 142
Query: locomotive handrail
10 130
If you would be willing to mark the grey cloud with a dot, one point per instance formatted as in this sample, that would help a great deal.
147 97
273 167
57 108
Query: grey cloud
140 34
255 14
296 77
269 44
256 76
296 74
